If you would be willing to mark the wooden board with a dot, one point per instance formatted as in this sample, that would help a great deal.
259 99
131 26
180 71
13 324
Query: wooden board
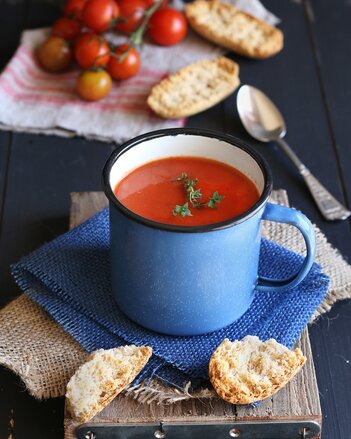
299 400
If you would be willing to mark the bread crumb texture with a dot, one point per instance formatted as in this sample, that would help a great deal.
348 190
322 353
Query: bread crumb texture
233 29
102 377
194 88
250 370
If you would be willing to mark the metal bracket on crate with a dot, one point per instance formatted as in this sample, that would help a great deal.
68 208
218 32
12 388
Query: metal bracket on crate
243 430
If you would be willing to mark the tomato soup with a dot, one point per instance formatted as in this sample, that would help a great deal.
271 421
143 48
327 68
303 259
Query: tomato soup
187 191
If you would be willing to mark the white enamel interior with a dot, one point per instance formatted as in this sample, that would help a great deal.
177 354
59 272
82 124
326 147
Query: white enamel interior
187 145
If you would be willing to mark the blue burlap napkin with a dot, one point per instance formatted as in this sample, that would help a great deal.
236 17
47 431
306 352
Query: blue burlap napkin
70 278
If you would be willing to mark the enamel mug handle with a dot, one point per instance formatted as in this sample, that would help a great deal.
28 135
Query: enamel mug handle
282 214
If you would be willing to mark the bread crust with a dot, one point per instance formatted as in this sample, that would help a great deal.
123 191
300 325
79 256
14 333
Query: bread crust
194 88
233 29
250 370
90 390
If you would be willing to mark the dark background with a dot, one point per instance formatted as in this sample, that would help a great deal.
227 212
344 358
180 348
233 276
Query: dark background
310 81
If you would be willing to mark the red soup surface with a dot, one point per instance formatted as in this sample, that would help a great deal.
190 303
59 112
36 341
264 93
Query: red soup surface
159 190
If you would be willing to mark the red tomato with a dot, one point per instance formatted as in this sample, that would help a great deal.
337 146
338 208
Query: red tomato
98 15
167 27
73 8
91 50
131 13
93 85
151 2
55 54
128 66
66 28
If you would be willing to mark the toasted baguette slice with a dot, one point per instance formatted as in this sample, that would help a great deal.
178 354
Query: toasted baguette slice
233 29
102 377
194 88
250 370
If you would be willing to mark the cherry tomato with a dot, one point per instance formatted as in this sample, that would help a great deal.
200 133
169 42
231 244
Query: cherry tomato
55 54
74 8
131 13
167 27
91 50
128 67
66 28
151 2
93 85
98 15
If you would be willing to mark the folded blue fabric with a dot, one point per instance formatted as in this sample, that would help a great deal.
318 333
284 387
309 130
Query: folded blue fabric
70 278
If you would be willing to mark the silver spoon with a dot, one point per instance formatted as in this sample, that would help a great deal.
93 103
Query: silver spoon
263 121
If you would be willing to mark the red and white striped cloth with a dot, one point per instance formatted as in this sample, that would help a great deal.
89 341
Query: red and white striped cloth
33 100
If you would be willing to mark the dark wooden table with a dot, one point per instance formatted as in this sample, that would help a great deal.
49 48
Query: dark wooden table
311 83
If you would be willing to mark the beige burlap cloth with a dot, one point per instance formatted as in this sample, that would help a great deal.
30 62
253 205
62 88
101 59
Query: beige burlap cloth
44 356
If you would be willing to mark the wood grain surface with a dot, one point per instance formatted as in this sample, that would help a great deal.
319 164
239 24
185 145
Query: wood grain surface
310 81
332 53
298 400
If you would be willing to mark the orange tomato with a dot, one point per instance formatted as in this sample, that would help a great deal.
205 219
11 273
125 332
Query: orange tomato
93 85
55 54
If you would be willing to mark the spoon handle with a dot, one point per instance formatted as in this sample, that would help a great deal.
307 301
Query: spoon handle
328 205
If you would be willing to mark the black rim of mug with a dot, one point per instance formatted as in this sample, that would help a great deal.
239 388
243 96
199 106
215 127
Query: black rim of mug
195 132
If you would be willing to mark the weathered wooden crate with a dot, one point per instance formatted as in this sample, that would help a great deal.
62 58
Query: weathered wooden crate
292 413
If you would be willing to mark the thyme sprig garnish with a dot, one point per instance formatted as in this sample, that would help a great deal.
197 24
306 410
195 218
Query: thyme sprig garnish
182 210
194 196
214 200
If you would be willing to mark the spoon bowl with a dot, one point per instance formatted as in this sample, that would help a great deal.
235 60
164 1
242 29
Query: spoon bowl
260 117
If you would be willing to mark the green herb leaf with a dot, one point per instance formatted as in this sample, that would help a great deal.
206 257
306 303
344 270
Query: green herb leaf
188 183
182 210
194 197
214 200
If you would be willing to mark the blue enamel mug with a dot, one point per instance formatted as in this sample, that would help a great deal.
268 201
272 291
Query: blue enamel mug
190 280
